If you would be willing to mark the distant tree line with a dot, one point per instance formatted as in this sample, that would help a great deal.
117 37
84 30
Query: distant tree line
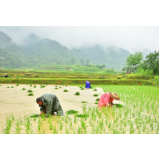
136 64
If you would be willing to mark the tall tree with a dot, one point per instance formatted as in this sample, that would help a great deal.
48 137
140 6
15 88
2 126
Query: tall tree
87 62
82 61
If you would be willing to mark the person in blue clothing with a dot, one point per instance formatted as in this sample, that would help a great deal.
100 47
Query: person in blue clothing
87 85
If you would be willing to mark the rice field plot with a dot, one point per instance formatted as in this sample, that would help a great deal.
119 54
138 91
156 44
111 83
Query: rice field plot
139 114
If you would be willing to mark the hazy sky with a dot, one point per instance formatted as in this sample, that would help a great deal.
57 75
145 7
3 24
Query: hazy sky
130 38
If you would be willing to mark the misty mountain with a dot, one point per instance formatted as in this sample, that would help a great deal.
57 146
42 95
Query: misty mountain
36 52
112 57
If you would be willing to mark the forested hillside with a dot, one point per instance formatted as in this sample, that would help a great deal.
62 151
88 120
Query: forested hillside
35 52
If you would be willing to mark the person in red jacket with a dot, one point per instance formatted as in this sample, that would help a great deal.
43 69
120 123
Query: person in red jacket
106 99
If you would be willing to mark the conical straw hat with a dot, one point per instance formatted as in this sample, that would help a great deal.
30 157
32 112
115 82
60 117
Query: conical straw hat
114 95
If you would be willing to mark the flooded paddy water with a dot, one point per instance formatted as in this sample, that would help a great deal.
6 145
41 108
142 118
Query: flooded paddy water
16 108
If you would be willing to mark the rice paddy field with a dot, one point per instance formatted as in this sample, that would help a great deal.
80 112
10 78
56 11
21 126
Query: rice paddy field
136 113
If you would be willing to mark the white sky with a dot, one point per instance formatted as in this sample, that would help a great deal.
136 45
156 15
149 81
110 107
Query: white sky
127 37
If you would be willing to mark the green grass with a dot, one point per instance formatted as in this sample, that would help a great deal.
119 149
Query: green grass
71 112
77 94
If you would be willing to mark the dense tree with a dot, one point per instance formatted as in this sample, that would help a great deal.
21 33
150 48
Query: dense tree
82 61
133 60
87 61
72 60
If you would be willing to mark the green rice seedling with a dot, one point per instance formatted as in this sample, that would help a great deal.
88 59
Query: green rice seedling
82 115
56 88
39 124
34 115
60 125
8 124
65 90
34 86
12 87
42 86
18 127
17 84
79 130
30 85
8 87
84 108
0 85
118 105
95 90
30 94
82 88
75 119
77 94
72 112
30 90
60 87
67 130
12 118
43 117
55 130
97 99
84 102
95 95
96 103
23 89
50 124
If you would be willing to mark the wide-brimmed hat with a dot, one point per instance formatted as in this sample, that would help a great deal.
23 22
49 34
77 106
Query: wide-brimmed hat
114 95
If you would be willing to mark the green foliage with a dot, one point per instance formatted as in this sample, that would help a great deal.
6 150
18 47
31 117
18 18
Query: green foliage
95 95
82 115
30 90
84 101
77 93
71 112
97 99
30 94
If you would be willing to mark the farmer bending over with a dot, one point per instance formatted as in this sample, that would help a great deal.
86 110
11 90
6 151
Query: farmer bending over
49 104
106 99
87 85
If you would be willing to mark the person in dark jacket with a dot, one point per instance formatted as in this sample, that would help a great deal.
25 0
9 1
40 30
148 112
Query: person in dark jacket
49 104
